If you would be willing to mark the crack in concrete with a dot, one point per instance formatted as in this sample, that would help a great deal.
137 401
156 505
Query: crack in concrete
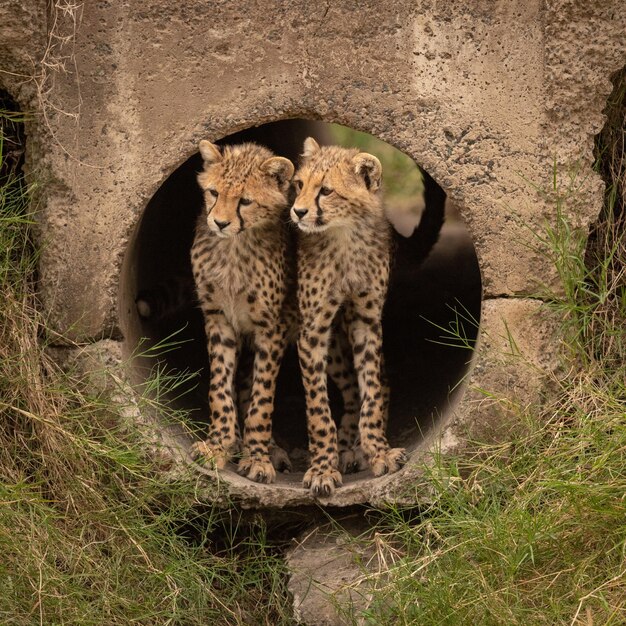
508 296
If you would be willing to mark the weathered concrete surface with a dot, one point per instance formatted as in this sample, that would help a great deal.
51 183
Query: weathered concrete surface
333 573
23 26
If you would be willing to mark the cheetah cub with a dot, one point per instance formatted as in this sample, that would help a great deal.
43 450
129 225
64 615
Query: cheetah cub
344 250
241 266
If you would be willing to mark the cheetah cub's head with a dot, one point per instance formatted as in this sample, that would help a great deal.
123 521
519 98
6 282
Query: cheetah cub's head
244 187
336 187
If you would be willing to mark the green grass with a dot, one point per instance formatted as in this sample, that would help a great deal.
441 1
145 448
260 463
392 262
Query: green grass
529 532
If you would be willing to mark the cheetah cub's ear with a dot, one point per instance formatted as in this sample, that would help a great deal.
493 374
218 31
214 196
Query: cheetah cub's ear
310 147
279 168
210 152
368 167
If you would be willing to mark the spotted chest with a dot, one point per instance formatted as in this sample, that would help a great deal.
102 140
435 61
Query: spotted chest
352 260
244 277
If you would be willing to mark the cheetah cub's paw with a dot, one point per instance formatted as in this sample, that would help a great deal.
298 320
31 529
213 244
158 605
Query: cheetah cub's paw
280 459
388 461
258 469
352 460
209 453
322 482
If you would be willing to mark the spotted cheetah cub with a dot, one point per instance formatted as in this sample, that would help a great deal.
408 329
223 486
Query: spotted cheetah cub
241 266
344 250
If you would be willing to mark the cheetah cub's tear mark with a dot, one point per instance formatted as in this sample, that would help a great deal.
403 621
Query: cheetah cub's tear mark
242 268
344 250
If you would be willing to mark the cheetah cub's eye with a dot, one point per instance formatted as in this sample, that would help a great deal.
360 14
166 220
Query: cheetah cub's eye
298 185
212 192
245 201
325 191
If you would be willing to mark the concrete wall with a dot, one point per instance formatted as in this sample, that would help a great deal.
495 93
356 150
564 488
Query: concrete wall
486 95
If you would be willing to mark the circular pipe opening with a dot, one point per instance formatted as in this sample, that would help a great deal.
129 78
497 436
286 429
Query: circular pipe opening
430 321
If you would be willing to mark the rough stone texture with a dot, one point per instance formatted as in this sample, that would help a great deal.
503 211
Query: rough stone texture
586 44
485 95
331 568
22 45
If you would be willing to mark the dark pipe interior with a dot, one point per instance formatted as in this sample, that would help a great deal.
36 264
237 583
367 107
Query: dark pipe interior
424 292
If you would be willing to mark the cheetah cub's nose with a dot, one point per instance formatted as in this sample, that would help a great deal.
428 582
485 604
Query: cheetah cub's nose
221 225
300 212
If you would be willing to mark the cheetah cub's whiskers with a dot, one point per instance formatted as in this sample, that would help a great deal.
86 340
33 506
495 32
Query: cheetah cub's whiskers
242 268
344 250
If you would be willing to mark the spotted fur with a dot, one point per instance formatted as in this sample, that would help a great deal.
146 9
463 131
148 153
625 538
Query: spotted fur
242 267
344 250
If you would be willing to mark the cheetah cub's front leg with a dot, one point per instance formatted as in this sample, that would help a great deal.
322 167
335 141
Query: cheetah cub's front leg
341 370
222 441
323 475
256 462
278 456
367 344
